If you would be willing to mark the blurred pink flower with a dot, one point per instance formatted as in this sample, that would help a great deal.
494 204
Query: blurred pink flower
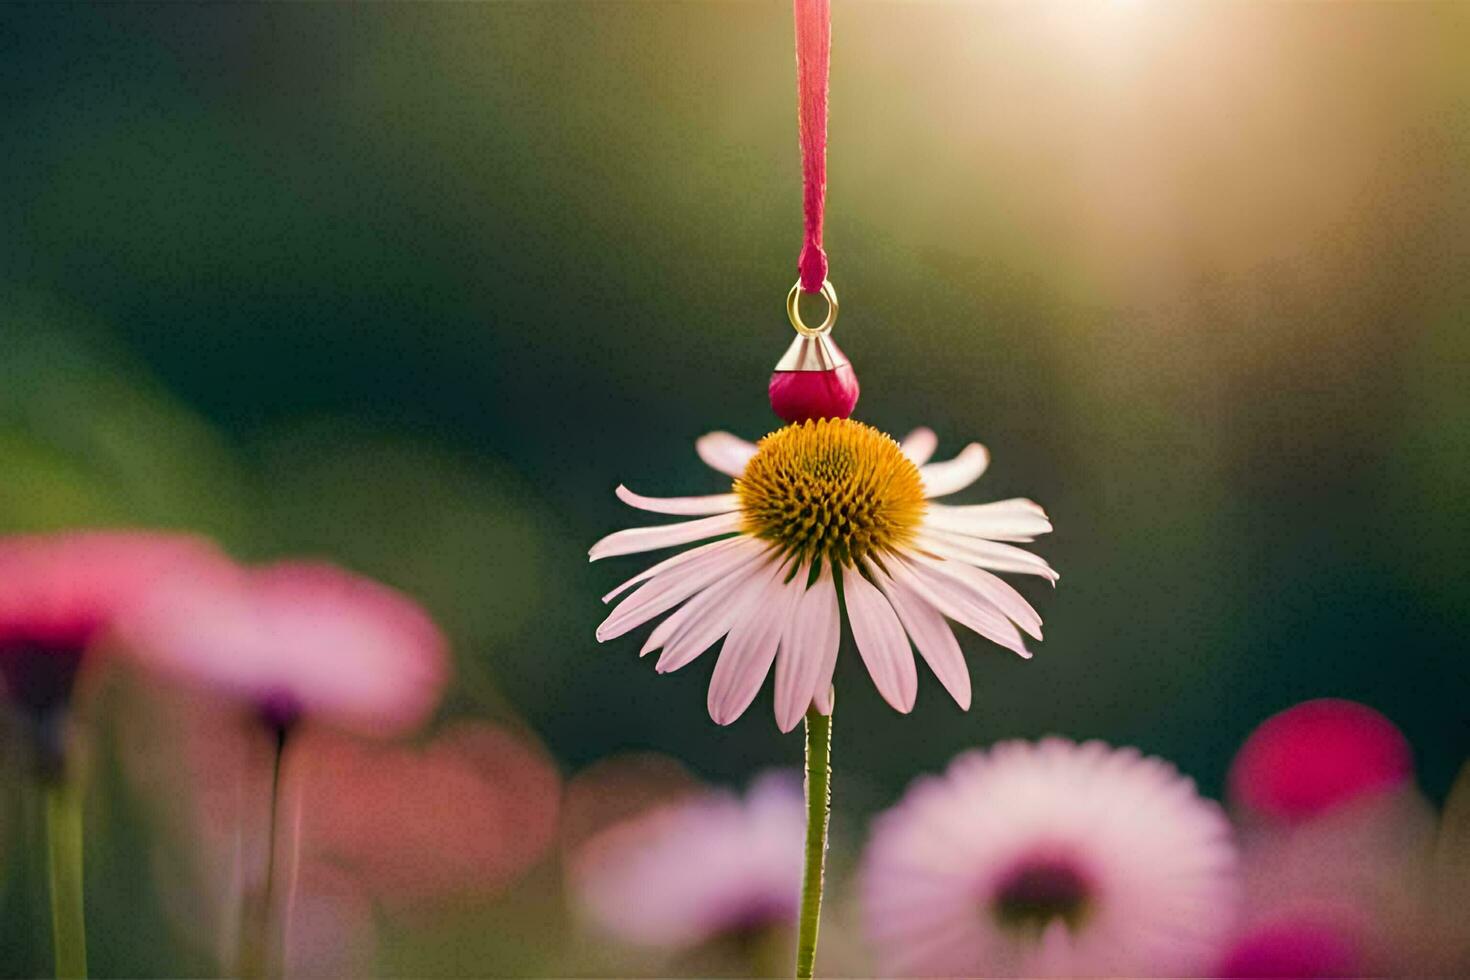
387 832
1050 858
1294 947
463 817
331 932
61 593
618 789
1358 869
822 517
692 871
1317 756
297 640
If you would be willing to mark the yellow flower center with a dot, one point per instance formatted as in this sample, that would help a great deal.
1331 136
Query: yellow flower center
832 488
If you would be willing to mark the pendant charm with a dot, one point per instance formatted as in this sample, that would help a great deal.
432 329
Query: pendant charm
813 379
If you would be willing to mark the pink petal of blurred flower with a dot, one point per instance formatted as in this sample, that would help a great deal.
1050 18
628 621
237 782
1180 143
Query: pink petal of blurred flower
1358 868
1050 858
298 639
1294 948
331 932
691 871
407 830
620 788
464 817
61 593
1317 756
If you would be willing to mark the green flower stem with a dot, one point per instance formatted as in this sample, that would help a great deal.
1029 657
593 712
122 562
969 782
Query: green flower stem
818 809
64 853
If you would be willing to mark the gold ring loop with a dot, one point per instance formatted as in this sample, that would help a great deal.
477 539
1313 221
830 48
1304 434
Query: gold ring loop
794 312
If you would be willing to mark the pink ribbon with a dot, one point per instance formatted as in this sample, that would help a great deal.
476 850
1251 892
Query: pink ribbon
813 61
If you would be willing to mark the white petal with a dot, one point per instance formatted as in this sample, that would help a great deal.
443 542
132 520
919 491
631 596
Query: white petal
985 554
746 657
1018 519
712 615
881 641
933 637
724 452
997 592
955 474
822 695
919 445
671 588
636 539
808 649
674 562
720 503
671 626
946 595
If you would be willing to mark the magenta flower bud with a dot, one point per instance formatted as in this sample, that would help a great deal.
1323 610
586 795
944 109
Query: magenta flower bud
1317 756
1294 949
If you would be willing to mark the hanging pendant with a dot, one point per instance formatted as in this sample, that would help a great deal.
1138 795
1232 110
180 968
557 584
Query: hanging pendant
813 379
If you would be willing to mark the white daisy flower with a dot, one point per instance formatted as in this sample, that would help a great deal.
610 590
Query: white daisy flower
827 514
688 872
1050 858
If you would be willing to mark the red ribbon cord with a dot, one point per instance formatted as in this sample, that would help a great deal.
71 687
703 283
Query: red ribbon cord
813 60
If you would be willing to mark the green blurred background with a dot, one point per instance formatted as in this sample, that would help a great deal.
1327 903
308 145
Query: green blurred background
414 286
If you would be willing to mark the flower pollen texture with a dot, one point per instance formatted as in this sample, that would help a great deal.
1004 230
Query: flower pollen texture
831 488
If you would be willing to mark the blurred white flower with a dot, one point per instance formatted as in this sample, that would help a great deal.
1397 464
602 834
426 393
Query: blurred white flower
1050 858
694 870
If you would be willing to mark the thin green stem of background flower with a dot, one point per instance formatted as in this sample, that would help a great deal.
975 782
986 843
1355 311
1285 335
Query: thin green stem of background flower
64 854
818 809
261 954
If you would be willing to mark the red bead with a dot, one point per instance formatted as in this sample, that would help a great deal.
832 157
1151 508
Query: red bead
797 396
